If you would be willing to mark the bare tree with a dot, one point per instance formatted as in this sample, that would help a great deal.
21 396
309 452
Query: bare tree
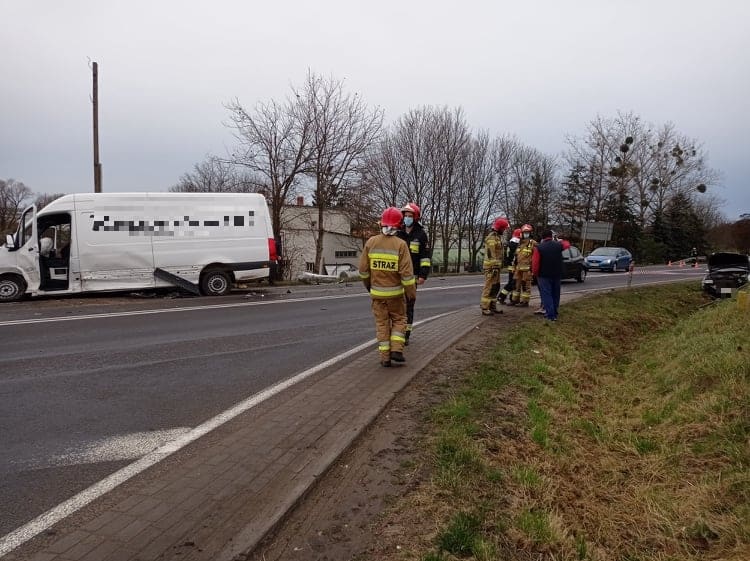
414 140
451 137
385 172
44 199
533 181
214 175
645 166
14 196
477 195
342 129
274 146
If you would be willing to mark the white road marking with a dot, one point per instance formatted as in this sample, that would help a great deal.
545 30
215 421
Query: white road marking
112 449
46 520
207 307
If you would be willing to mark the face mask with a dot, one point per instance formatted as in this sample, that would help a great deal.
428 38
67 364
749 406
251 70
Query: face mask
526 235
408 221
388 230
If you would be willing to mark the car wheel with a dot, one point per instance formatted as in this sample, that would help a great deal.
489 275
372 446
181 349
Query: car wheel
581 275
12 288
215 283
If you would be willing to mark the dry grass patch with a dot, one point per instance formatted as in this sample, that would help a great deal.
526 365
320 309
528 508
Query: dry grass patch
620 436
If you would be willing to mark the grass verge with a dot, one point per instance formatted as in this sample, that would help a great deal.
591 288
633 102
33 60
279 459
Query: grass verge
622 432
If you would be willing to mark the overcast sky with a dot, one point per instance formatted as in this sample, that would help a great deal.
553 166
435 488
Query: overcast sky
540 70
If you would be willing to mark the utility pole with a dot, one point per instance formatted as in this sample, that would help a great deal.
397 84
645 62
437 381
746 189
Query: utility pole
95 100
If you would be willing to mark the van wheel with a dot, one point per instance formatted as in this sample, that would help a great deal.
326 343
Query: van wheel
12 288
215 283
581 275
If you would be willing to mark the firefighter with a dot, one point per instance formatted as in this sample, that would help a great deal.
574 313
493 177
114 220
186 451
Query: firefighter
510 255
419 248
492 266
522 291
386 271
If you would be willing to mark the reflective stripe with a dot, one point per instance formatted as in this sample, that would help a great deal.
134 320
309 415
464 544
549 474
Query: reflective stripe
383 253
384 346
414 246
424 262
364 276
387 291
397 336
408 281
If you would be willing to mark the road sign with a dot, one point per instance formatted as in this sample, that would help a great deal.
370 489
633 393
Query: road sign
597 231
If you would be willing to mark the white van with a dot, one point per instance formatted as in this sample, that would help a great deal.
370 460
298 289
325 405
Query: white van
202 242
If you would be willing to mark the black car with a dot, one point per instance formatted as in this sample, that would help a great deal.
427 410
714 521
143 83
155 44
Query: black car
573 264
726 272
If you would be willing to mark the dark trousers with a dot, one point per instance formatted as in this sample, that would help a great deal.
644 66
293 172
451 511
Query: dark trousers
409 316
549 292
510 286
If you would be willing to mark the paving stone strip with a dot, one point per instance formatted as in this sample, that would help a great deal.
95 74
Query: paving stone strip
216 499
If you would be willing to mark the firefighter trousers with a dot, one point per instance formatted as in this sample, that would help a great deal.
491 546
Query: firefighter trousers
491 288
522 292
390 325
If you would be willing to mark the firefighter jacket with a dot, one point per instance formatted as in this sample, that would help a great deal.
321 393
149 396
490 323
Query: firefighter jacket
493 251
419 248
510 253
385 268
524 253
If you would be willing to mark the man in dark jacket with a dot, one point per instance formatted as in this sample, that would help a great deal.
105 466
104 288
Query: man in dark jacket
419 249
547 267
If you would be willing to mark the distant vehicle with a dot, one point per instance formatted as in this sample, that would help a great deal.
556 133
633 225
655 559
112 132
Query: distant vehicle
335 273
201 242
608 259
726 272
345 272
573 264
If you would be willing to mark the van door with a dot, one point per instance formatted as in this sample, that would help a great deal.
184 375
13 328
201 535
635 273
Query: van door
54 251
28 248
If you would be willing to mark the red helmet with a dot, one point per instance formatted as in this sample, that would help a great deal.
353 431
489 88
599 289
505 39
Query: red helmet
500 224
391 217
413 208
527 228
517 233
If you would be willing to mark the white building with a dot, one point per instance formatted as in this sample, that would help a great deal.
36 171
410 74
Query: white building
299 231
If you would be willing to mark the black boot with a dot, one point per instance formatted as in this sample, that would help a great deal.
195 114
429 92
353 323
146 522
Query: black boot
406 337
386 363
397 356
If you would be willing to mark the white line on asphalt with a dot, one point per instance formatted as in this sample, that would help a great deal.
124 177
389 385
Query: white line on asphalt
207 307
115 448
44 521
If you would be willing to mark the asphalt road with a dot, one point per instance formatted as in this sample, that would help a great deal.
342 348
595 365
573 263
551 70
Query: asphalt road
89 384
